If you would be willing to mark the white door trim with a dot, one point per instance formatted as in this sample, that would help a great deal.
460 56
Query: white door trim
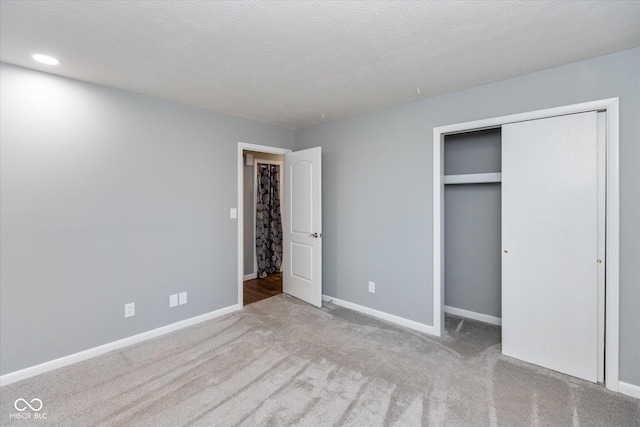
612 321
242 146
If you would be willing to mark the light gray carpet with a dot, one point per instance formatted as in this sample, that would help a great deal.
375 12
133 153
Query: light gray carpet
282 362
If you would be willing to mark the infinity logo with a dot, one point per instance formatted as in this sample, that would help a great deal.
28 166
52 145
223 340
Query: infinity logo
22 405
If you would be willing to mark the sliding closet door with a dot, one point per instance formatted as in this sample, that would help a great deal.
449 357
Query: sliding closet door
549 242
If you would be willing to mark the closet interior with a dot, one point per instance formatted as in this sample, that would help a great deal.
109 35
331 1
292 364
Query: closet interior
472 225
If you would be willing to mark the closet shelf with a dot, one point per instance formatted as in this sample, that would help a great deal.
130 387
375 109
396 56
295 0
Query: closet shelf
473 178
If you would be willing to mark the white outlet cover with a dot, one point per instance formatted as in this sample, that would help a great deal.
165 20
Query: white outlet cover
182 298
233 213
130 309
372 287
173 300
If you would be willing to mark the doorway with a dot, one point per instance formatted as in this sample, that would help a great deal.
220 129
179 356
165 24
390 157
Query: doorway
262 271
245 208
301 221
611 239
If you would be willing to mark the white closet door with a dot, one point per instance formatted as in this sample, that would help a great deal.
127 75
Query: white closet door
549 238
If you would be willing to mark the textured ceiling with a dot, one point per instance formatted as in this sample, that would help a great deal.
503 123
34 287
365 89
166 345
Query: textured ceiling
288 63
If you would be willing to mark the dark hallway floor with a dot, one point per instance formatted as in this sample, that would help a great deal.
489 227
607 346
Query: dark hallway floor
258 289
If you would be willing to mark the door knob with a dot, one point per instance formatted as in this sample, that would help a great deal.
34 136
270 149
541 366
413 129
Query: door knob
314 235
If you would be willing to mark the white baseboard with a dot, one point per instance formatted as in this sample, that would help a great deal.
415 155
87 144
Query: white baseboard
381 315
629 389
250 276
32 371
473 315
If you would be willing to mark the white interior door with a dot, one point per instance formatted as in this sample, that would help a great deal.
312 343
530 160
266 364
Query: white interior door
302 226
550 243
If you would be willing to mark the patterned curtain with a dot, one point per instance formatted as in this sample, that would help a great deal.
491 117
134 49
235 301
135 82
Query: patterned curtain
268 220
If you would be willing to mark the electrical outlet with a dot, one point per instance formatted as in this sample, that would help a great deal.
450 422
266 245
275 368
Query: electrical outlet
182 298
372 287
130 309
173 300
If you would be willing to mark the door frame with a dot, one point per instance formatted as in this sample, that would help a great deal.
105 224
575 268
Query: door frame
612 227
242 146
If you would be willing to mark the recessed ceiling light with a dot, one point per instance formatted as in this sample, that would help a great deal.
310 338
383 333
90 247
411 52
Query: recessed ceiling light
45 59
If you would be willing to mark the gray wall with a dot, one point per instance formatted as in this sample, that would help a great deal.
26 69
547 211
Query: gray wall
377 211
249 179
472 224
108 197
